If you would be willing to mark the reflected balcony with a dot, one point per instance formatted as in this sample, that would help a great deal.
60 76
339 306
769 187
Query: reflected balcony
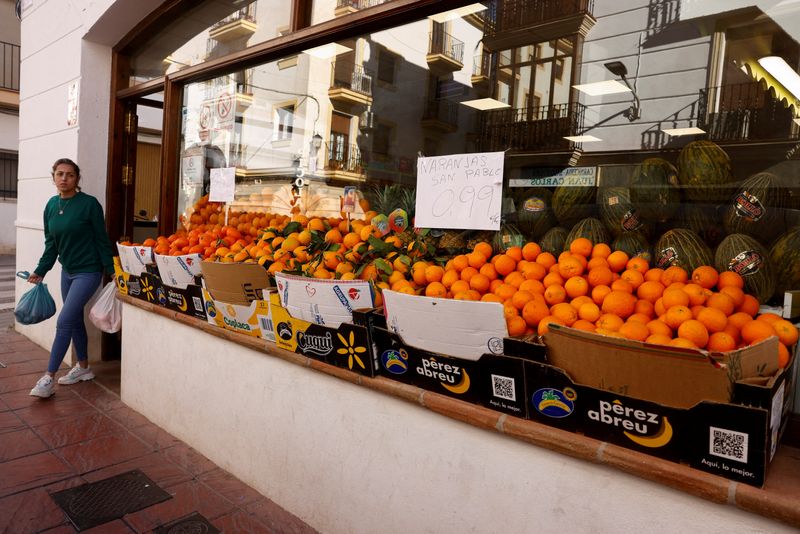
744 112
480 73
532 129
244 89
440 115
445 52
9 75
240 23
514 23
345 7
343 162
350 84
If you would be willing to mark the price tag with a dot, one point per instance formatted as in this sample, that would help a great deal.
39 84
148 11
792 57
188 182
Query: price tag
460 191
223 184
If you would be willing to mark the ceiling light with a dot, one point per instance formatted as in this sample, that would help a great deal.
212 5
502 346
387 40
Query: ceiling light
327 51
675 132
607 87
782 72
484 104
582 138
457 13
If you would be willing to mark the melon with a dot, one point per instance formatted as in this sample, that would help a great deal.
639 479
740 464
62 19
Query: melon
704 172
633 244
703 219
590 228
654 190
571 204
553 240
758 208
683 248
508 236
617 211
535 212
744 255
785 256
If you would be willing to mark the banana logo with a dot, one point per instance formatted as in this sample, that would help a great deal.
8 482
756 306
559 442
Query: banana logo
659 439
183 306
461 387
548 403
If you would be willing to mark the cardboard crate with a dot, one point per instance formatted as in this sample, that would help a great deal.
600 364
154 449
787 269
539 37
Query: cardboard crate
134 260
251 319
145 286
188 300
179 271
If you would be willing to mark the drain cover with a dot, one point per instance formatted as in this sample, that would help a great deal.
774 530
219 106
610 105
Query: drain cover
93 504
191 524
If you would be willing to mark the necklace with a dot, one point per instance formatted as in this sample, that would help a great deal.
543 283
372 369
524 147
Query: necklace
62 206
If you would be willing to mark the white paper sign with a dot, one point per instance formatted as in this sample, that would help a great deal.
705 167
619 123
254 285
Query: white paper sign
223 184
461 191
192 168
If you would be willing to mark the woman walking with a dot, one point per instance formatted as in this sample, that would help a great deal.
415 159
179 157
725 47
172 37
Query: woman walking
75 234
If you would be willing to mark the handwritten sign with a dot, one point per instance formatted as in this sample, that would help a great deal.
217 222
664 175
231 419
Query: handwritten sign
556 176
223 184
461 191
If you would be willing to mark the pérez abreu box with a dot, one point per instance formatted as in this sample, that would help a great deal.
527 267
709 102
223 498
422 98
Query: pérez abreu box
181 288
144 286
315 318
682 405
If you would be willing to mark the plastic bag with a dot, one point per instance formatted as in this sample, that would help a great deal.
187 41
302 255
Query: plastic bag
36 305
106 314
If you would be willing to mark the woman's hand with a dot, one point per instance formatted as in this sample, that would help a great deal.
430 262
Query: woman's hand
34 278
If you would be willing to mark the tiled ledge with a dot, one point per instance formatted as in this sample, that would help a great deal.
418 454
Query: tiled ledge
777 500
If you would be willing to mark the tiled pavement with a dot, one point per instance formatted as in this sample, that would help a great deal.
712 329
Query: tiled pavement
84 433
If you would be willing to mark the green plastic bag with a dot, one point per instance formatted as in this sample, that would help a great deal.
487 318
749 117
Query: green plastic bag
36 305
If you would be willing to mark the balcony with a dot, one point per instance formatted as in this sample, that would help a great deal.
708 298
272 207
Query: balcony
514 23
480 73
343 162
744 112
445 52
440 115
350 84
9 75
345 7
240 23
244 89
530 129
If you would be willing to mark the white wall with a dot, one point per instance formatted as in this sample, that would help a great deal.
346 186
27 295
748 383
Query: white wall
347 459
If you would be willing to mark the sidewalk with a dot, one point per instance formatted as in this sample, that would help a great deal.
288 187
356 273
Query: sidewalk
84 433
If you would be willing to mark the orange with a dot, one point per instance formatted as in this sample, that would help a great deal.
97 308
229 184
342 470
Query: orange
599 293
601 250
786 331
644 307
633 277
534 271
596 262
516 326
553 279
609 321
739 319
659 339
650 290
448 278
508 309
521 298
681 342
434 273
769 317
730 279
634 330
755 331
735 293
675 297
332 236
459 286
638 264
617 261
783 356
480 283
543 324
673 274
576 286
589 312
659 327
654 275
600 276
713 319
586 326
639 318
531 250
504 264
577 302
555 295
534 311
696 310
467 273
569 267
497 283
705 276
565 312
460 262
677 315
697 295
505 291
546 260
534 286
622 285
694 331
491 297
515 252
435 289
476 259
721 342
581 246
620 303
721 301
483 248
515 279
749 305
488 271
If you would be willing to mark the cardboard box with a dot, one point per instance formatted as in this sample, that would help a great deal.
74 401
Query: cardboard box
791 304
179 271
236 283
134 260
188 300
670 376
252 319
323 302
145 286
502 381
346 345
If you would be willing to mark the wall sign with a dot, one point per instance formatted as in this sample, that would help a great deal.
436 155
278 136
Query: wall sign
556 176
223 183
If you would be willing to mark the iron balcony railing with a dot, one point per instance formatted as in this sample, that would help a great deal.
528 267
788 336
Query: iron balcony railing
343 157
745 111
8 175
481 64
9 75
359 4
443 43
507 15
247 13
350 76
442 110
531 128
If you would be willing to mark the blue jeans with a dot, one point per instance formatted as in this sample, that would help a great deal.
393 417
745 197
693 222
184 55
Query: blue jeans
76 290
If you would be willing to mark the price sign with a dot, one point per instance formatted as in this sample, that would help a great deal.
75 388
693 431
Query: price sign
460 191
223 183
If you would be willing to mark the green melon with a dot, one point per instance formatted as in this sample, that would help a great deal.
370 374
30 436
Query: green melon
633 244
702 219
654 190
758 208
683 248
553 240
785 256
744 255
508 236
704 172
571 204
590 228
535 212
617 211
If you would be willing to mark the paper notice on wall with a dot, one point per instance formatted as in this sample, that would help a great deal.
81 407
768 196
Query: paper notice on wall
192 168
461 191
223 184
72 104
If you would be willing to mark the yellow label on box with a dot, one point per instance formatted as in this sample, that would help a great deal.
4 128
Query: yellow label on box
253 320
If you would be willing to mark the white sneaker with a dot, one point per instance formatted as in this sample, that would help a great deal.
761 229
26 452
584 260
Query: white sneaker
43 388
75 375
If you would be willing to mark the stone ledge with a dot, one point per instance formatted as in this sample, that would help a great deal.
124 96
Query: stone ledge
777 500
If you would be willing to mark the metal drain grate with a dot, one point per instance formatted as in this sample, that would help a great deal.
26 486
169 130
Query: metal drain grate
191 524
93 504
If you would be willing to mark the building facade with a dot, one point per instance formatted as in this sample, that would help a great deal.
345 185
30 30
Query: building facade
9 121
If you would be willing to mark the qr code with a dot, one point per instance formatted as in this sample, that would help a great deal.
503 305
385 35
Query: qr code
503 387
728 444
198 304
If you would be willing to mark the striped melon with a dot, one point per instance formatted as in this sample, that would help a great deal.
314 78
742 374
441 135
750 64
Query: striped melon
553 240
785 256
702 219
704 172
758 208
571 204
633 244
683 248
535 212
617 211
590 228
654 190
508 236
744 255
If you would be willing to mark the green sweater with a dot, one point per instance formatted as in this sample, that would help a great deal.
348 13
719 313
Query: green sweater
75 233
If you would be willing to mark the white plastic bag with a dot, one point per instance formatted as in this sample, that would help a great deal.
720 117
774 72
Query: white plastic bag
106 314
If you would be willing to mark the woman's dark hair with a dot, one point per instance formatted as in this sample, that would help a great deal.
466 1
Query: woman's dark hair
67 161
